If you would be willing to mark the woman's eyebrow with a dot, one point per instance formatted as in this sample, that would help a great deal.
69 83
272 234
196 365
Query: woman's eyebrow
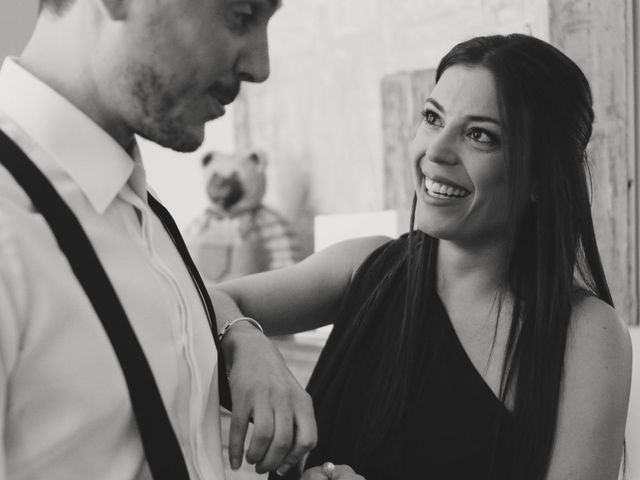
436 104
484 118
474 118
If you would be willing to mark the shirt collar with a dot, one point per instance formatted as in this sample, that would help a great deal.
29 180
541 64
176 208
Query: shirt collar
88 154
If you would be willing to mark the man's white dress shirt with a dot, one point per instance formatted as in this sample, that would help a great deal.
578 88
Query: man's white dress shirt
65 410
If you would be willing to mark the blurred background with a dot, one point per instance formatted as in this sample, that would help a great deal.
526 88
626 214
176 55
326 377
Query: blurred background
343 101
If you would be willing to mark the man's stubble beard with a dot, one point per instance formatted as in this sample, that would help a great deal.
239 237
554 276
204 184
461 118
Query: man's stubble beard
168 134
154 119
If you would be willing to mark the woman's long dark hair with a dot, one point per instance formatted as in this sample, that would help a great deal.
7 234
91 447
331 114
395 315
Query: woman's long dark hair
547 116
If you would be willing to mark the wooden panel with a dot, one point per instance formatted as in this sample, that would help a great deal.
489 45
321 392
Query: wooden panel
403 96
598 36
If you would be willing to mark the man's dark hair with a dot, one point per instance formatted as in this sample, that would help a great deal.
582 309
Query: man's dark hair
55 6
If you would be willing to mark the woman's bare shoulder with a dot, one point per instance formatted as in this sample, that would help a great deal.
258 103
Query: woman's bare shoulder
595 393
598 344
596 324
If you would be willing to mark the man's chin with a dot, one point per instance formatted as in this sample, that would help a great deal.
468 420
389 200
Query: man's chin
185 141
185 146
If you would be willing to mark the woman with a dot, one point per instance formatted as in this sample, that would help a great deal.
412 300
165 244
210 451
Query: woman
484 344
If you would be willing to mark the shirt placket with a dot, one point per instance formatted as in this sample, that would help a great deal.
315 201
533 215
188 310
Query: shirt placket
188 382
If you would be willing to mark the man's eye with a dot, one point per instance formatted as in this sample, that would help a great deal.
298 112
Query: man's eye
432 118
242 15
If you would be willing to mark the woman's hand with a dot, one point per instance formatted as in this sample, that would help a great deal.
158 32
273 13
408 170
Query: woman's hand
340 472
263 388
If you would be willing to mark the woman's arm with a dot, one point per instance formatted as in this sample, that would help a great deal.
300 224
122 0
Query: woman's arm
594 396
284 301
297 298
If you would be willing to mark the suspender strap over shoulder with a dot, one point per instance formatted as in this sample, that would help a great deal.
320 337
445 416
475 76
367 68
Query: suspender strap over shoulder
161 446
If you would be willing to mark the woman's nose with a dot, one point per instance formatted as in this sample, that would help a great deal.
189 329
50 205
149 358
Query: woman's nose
442 148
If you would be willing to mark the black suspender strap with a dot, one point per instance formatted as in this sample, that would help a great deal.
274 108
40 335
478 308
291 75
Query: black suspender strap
161 446
173 231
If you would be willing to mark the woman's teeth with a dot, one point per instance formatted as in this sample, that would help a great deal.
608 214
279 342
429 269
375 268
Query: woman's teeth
440 190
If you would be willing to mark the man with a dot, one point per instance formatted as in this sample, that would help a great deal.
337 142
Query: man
94 73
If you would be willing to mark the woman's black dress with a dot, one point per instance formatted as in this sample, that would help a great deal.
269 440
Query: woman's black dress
453 428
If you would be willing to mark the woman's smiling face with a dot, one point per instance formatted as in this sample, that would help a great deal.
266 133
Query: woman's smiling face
458 159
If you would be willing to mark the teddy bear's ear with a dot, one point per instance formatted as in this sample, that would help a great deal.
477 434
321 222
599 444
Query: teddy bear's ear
117 9
258 157
207 159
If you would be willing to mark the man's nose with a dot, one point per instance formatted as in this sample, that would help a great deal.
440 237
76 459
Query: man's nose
253 65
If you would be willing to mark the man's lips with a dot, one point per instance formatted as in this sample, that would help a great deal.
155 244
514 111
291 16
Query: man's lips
222 99
225 95
217 108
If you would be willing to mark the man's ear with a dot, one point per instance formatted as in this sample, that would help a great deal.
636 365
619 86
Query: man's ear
117 9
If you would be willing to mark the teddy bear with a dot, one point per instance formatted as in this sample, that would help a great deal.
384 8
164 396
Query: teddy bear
237 234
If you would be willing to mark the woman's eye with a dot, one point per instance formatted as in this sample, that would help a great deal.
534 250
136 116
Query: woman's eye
482 136
432 118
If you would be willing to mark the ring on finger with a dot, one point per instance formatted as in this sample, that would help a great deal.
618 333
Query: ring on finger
327 469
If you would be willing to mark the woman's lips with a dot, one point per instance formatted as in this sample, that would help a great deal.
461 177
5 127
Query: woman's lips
442 188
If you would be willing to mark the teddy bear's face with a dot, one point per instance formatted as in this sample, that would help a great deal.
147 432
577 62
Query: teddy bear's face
234 182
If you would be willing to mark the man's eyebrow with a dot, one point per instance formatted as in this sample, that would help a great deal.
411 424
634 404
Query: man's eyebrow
273 4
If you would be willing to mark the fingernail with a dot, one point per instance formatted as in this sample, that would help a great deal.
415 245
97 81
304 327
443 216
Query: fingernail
235 464
282 470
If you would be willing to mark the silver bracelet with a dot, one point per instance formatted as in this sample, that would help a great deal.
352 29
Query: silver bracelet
231 323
